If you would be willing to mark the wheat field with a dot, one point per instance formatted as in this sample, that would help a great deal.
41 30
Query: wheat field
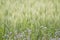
29 19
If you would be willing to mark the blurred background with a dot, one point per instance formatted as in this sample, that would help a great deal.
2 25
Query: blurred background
29 19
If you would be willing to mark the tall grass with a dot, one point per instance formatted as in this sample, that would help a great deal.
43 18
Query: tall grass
29 19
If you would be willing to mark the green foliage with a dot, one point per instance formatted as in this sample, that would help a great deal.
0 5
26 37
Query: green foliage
29 19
